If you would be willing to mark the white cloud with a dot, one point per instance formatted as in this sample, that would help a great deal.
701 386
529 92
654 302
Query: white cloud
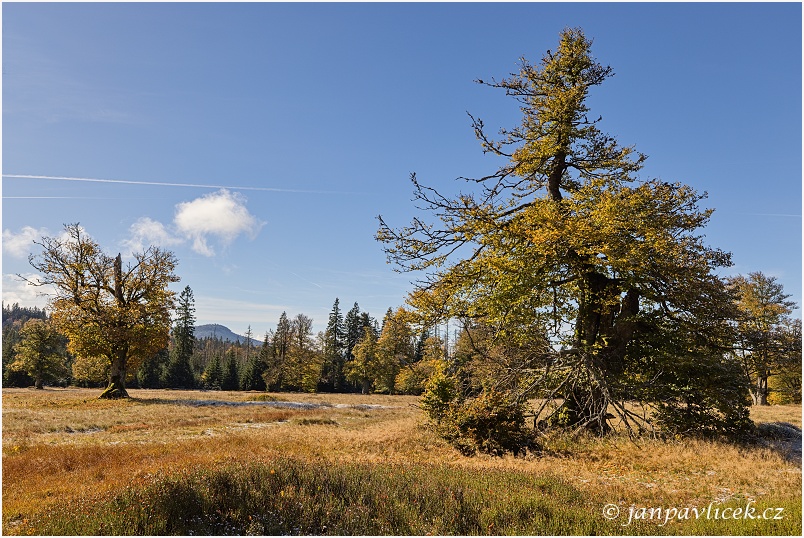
222 214
147 232
16 290
19 245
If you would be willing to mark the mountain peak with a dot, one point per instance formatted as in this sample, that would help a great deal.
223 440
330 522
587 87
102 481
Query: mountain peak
215 330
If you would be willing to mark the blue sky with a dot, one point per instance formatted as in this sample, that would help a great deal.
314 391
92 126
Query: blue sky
312 116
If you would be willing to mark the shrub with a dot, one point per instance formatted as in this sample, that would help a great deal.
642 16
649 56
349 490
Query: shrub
707 398
414 378
492 422
440 392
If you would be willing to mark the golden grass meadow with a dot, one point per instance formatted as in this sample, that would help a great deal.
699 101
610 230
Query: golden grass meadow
193 462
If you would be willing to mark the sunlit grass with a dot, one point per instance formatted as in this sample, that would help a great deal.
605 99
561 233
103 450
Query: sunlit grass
777 413
64 449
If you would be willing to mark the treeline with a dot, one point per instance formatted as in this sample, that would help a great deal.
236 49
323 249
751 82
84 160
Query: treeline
356 353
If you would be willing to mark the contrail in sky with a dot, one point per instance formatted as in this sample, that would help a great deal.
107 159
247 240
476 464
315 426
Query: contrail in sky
790 215
62 198
194 185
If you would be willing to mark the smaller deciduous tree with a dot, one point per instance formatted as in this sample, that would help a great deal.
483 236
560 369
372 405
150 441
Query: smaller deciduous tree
14 317
90 371
763 312
41 352
413 377
786 384
395 349
361 370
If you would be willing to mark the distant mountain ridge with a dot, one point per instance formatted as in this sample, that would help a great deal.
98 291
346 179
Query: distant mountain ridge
214 330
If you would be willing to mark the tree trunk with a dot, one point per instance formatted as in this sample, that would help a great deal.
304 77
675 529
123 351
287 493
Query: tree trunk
366 387
603 318
761 394
117 372
556 174
38 382
587 407
117 377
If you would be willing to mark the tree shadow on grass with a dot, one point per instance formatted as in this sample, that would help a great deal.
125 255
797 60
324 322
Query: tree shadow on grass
783 438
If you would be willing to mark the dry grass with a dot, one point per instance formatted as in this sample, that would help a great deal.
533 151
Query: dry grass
64 444
777 413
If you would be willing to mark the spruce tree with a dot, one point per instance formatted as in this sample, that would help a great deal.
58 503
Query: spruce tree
334 345
249 343
151 373
255 367
213 375
355 324
231 373
267 356
352 330
179 374
277 355
252 375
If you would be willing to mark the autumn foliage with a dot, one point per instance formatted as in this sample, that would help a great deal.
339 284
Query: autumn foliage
598 281
121 315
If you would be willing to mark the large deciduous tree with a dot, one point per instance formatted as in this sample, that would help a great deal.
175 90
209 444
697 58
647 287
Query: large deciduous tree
600 280
105 309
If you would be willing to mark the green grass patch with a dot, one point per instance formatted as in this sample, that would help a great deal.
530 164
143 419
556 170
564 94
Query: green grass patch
745 518
289 496
321 498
